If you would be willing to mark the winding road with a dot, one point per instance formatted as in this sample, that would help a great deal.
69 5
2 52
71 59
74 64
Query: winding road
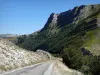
37 69
45 68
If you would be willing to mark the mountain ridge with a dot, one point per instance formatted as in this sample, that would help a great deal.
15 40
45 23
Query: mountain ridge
73 13
70 19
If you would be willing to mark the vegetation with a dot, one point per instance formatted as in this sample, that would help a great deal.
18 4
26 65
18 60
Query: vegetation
89 65
68 43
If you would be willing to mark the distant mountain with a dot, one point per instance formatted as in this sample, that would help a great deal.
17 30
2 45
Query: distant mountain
7 35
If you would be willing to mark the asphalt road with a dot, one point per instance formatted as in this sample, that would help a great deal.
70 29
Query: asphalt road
46 68
37 69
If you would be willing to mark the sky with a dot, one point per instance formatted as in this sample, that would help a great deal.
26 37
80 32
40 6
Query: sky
28 16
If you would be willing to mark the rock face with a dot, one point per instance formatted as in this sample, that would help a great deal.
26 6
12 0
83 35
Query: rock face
72 15
52 21
86 52
12 57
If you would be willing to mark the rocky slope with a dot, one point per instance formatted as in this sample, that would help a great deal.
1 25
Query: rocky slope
12 57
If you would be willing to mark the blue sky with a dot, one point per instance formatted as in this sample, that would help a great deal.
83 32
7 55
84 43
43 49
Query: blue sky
28 16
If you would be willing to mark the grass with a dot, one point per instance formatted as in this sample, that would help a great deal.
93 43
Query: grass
91 40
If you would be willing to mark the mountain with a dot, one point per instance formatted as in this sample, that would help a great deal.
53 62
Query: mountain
73 35
82 20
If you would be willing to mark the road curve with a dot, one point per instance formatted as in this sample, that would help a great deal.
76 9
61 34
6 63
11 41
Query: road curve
38 69
46 68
